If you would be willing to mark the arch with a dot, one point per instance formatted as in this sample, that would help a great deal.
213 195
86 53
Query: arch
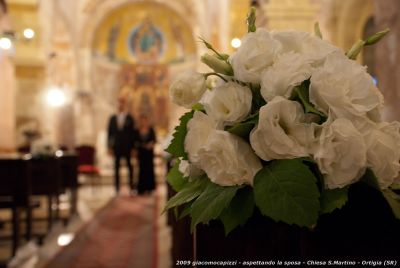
352 18
97 10
117 33
368 58
94 11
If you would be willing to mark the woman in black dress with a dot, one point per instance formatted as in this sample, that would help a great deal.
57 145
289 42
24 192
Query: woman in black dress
146 139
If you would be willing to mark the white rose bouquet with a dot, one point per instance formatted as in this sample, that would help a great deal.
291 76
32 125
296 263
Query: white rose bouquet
291 124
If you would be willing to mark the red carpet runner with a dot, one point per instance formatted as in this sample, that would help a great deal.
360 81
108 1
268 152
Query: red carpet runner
122 235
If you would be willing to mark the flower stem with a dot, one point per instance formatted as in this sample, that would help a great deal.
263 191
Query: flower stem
210 47
216 74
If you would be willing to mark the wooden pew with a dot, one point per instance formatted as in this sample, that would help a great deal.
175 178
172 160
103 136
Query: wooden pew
69 179
15 192
46 181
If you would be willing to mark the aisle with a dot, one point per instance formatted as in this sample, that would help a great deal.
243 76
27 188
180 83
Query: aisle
123 234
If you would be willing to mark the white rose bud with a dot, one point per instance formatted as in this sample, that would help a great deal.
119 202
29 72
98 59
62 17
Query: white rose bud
188 89
344 88
340 153
383 152
282 131
355 50
218 65
198 130
288 71
228 160
228 103
257 52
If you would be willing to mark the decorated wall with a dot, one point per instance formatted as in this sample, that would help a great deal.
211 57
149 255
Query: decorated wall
97 50
133 50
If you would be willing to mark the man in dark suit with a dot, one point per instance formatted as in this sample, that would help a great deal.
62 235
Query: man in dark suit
121 140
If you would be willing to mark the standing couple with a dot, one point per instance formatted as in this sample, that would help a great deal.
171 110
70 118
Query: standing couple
126 139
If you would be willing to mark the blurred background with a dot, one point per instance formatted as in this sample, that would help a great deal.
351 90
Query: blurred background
64 65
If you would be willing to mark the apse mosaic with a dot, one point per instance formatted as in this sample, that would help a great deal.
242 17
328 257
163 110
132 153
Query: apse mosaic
146 42
144 32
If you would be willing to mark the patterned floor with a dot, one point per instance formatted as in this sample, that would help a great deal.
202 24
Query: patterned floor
109 232
123 234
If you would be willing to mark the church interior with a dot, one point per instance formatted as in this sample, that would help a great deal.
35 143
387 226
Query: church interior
66 66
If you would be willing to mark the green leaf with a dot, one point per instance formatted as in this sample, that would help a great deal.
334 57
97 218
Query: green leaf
306 159
175 178
239 210
370 179
243 129
302 93
190 191
186 210
257 100
177 148
333 199
310 163
211 203
286 190
176 212
198 107
395 186
394 202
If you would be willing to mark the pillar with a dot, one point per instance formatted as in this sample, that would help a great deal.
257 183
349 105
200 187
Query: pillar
7 91
387 56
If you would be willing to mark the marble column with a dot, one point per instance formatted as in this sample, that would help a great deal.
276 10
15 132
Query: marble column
65 127
7 104
7 91
387 55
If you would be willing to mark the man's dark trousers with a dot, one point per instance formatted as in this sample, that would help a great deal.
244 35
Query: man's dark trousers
121 142
117 164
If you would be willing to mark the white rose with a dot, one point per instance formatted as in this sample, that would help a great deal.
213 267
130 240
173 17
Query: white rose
257 52
282 131
229 103
344 87
363 124
309 46
187 89
383 152
383 148
189 170
228 160
340 153
288 71
198 130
